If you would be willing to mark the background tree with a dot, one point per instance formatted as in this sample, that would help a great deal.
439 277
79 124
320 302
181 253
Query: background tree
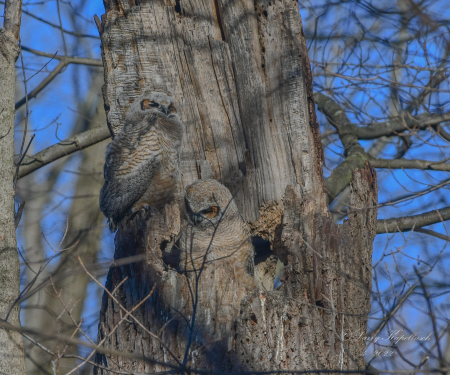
381 63
11 357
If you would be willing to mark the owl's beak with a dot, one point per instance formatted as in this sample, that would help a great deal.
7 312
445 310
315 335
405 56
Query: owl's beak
164 106
196 218
163 109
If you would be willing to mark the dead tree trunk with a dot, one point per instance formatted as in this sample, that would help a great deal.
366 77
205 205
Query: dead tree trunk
240 76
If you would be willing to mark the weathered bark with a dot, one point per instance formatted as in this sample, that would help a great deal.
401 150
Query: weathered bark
11 345
239 81
240 77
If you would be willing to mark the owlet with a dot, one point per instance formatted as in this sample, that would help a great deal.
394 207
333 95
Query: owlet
141 163
215 232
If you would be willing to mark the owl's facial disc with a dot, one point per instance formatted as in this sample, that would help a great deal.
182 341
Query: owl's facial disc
148 104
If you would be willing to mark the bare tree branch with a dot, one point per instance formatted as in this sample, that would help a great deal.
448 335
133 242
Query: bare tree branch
395 65
394 309
348 130
341 175
435 80
18 214
356 157
443 133
44 83
432 233
407 223
64 148
350 133
409 164
63 62
56 26
70 60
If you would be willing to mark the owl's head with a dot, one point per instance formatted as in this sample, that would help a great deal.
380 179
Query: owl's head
152 102
154 109
208 203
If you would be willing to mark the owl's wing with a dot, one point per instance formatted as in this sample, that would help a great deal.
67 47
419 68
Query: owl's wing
132 160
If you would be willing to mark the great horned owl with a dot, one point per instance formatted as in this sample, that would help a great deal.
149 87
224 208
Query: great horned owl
142 160
215 232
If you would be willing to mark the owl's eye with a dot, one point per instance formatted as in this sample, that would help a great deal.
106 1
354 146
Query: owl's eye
211 212
148 104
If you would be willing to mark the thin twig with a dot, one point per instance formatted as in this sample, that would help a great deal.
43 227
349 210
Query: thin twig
130 312
61 27
18 214
431 314
40 70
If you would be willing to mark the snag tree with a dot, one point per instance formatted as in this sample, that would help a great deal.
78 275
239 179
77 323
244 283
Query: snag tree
240 76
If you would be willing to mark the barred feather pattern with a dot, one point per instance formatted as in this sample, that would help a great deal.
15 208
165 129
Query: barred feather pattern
212 241
141 163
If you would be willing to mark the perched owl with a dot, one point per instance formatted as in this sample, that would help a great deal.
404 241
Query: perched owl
215 232
142 160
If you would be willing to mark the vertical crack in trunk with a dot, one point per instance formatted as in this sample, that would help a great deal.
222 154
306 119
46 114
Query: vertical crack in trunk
219 19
